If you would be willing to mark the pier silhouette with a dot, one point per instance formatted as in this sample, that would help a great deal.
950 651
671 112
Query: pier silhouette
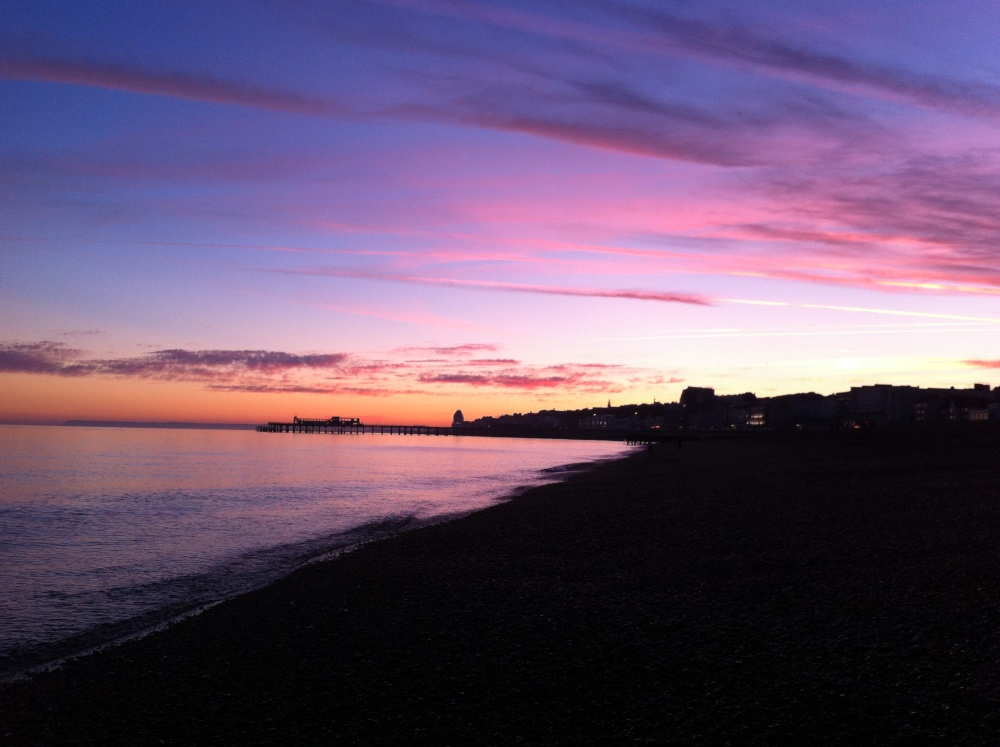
353 426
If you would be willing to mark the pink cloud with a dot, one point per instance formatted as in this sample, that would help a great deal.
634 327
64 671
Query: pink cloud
491 362
983 363
352 391
461 350
682 142
591 366
931 220
516 381
562 377
662 380
276 372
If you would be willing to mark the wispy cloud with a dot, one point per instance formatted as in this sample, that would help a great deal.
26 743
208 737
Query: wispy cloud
172 365
846 330
565 76
207 364
924 223
342 390
592 106
866 310
492 362
135 79
275 372
81 332
550 290
742 46
459 350
507 381
521 86
569 378
976 363
622 28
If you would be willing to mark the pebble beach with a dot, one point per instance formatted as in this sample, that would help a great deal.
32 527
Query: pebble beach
809 588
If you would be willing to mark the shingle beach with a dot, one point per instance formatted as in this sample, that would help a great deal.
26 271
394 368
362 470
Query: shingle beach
823 588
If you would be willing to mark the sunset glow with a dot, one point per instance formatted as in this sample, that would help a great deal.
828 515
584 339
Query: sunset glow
240 212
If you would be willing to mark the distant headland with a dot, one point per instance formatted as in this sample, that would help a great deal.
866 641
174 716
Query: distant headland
144 424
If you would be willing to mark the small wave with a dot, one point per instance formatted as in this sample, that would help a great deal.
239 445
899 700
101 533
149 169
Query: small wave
567 468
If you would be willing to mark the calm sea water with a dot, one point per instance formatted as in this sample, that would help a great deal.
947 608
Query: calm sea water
107 532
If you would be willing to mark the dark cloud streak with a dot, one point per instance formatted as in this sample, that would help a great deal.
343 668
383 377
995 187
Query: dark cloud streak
630 28
176 365
132 78
39 358
592 107
740 46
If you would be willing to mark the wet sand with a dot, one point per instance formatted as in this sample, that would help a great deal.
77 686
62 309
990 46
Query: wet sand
819 588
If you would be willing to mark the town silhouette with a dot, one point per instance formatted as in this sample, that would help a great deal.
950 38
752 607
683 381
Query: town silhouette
701 409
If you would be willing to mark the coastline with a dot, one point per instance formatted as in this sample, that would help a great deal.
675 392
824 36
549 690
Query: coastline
50 656
818 588
141 532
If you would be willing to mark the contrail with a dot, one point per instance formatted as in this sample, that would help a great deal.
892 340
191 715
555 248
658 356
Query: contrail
863 310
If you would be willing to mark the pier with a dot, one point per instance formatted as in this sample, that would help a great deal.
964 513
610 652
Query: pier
353 426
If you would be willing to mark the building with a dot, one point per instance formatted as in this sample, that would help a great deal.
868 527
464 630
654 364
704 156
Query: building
956 405
882 404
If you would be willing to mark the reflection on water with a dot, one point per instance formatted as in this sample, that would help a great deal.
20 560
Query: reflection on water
107 530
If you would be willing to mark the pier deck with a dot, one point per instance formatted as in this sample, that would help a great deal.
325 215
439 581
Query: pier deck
401 430
631 436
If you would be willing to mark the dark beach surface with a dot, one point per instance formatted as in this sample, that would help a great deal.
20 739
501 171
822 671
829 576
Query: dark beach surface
811 588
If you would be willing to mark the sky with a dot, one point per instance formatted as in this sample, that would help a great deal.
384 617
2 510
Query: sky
245 211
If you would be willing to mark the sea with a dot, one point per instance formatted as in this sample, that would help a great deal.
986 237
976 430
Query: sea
108 533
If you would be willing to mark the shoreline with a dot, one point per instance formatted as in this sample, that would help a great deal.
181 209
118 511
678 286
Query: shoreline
94 640
817 588
45 656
